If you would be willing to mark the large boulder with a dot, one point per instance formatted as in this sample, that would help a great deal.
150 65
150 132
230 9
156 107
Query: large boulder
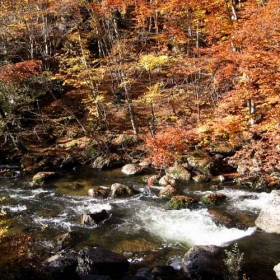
62 265
269 218
201 161
96 218
178 172
203 262
99 261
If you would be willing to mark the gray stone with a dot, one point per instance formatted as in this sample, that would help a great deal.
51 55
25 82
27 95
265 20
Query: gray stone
62 265
132 169
94 218
120 190
99 261
269 217
203 262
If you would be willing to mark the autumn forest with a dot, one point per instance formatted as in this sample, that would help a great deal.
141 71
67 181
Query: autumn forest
167 76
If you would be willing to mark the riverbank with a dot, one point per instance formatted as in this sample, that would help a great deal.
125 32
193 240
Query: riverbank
112 151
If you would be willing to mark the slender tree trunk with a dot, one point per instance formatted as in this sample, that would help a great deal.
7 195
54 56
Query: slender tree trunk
233 10
251 109
2 113
152 123
133 122
131 114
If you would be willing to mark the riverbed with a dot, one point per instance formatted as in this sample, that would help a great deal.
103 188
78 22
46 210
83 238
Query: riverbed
141 227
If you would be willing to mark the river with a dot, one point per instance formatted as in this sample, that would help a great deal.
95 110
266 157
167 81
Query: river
141 227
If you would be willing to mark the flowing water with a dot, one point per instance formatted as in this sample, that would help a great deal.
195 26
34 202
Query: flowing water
141 227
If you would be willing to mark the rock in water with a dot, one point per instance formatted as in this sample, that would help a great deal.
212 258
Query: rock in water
181 201
99 261
132 169
120 190
178 172
269 217
94 218
167 180
62 265
167 192
203 262
213 198
42 177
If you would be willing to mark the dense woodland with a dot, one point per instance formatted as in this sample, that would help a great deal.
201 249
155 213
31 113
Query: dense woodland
170 76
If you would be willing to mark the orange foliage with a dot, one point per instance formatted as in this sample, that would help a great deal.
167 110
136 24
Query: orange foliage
168 145
18 72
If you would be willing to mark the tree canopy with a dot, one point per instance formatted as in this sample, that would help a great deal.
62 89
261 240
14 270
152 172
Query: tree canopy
205 71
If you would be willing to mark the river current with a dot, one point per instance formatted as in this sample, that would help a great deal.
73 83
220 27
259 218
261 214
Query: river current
142 227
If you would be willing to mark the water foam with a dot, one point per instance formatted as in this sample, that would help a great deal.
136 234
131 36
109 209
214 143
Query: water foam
15 208
194 227
244 200
91 208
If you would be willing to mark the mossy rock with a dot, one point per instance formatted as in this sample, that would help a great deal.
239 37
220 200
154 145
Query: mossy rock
201 161
213 198
181 201
167 192
201 178
42 177
178 172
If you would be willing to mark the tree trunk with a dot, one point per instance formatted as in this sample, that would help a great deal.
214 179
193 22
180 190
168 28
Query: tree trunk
2 113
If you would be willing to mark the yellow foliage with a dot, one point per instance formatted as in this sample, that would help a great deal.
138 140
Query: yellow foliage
150 62
3 226
153 92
